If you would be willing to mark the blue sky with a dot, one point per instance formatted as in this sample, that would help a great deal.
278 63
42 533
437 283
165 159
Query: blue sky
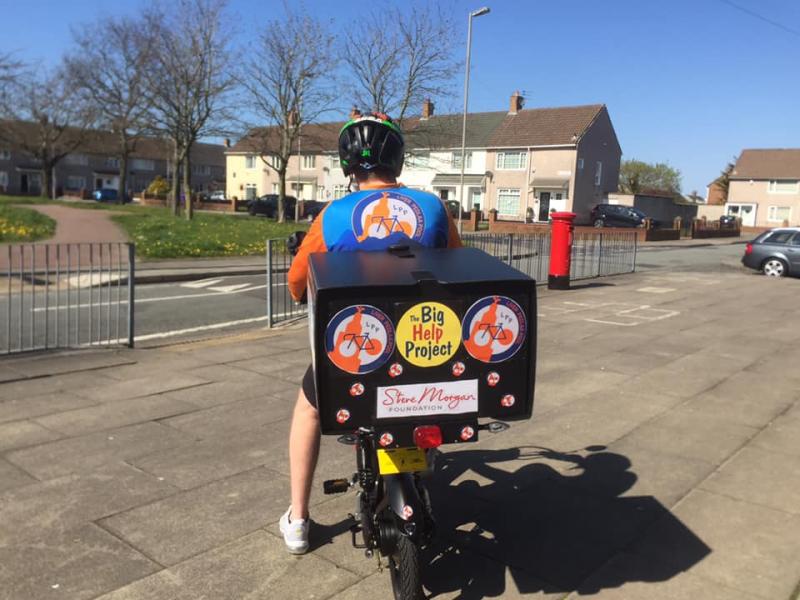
689 82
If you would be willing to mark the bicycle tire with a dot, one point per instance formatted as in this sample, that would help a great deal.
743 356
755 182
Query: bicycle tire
404 569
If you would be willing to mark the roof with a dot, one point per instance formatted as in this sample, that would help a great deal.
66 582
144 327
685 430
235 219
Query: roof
531 127
775 163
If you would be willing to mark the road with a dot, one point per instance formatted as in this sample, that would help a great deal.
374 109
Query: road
186 310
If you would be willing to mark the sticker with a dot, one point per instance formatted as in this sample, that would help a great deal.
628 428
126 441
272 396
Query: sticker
343 415
395 370
467 433
508 400
385 214
359 339
356 389
458 368
428 334
493 378
421 399
494 329
386 439
407 512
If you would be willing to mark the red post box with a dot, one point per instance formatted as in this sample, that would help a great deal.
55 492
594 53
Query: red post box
561 232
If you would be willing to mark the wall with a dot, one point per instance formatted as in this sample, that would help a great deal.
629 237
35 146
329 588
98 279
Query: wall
756 192
710 212
599 143
664 210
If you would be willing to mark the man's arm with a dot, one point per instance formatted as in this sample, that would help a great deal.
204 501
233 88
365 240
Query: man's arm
453 239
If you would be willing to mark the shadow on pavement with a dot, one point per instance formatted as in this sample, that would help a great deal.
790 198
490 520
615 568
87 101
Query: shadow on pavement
553 530
594 284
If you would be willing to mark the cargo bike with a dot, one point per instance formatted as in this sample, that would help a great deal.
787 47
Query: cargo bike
413 349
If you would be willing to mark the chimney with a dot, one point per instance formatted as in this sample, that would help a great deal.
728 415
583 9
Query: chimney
427 109
227 142
354 113
517 102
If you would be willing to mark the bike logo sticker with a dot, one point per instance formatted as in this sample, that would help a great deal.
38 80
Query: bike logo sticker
428 334
383 214
494 329
359 339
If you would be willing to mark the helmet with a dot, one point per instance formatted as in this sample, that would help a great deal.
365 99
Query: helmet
370 142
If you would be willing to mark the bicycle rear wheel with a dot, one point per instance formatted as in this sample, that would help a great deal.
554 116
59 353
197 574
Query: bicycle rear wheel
405 571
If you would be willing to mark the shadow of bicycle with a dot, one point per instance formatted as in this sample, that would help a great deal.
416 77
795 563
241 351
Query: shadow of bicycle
509 515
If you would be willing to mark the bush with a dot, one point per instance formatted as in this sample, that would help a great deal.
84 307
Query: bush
158 187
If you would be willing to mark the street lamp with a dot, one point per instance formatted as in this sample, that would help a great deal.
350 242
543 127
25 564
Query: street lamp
474 13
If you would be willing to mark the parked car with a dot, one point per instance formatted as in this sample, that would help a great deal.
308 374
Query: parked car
268 205
615 215
727 221
217 196
775 253
106 195
312 208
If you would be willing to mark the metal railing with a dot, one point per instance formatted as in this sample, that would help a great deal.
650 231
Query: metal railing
66 296
280 304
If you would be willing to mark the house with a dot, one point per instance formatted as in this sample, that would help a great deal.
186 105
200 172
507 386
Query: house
94 165
764 188
519 162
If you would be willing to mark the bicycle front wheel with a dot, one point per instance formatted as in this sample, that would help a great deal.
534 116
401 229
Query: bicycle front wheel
405 571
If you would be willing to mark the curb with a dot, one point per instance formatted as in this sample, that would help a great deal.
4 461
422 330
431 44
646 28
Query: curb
193 275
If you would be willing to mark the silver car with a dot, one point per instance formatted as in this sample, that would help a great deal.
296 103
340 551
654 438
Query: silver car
776 253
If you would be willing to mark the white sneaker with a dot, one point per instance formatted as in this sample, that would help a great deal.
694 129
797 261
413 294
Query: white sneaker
295 533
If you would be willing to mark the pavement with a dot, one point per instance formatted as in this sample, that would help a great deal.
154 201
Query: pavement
661 462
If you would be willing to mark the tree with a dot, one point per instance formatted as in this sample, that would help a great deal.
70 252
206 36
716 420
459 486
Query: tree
401 59
287 84
188 81
46 120
636 177
723 182
109 72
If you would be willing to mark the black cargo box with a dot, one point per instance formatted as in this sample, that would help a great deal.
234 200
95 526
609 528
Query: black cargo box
420 336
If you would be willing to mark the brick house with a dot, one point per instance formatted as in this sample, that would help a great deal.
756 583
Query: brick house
764 187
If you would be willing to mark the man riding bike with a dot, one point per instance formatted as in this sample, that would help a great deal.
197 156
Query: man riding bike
380 214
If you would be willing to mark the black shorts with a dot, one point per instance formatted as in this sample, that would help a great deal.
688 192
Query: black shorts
308 386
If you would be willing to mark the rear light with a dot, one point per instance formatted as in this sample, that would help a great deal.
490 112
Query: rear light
748 249
428 436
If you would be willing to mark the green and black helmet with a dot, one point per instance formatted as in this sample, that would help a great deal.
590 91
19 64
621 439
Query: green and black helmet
370 142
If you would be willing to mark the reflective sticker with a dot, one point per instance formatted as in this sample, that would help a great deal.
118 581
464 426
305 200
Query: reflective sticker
384 214
359 339
508 400
493 378
458 368
494 329
428 334
467 433
395 370
356 389
408 512
386 439
342 416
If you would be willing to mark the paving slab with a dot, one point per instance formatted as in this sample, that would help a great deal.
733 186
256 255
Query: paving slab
762 477
753 548
78 563
27 407
233 418
728 404
188 523
12 476
782 435
18 434
69 362
142 386
28 388
60 504
84 453
255 566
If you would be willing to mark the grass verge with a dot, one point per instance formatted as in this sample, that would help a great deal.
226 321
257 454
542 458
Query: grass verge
24 225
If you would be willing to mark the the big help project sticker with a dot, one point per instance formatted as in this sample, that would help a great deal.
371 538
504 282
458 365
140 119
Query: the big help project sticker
494 329
359 339
428 334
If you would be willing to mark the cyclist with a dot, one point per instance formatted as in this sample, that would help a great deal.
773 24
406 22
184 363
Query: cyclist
381 213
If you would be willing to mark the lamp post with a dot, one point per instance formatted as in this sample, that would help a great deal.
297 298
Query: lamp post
474 13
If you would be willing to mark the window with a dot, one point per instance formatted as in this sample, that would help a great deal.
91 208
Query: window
598 173
3 180
340 191
795 241
272 161
580 164
779 214
779 237
5 154
309 161
112 163
77 159
335 161
143 164
782 187
250 161
512 160
76 183
418 160
275 188
201 169
508 201
456 160
250 191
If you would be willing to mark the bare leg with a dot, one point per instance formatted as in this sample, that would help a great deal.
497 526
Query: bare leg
303 454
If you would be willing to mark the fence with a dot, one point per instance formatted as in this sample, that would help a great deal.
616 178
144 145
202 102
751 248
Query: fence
594 254
66 296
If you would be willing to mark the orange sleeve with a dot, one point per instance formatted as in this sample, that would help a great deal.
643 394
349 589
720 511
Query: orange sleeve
453 239
298 272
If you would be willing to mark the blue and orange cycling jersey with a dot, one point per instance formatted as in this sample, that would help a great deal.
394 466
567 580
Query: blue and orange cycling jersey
373 219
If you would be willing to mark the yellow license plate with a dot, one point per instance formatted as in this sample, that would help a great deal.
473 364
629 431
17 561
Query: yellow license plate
401 460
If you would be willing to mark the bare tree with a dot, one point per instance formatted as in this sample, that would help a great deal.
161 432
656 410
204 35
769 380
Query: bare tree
188 81
47 121
401 60
109 72
287 84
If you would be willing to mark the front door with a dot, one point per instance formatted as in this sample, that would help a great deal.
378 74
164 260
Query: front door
544 206
444 194
98 183
23 183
